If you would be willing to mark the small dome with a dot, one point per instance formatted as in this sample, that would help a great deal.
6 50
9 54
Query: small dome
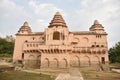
25 24
25 28
96 26
96 22
57 13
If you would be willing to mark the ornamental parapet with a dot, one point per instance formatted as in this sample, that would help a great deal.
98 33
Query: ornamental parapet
94 50
41 47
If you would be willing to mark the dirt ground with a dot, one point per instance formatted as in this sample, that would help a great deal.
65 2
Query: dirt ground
87 74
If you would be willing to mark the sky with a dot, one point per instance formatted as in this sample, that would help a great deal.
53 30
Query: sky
79 15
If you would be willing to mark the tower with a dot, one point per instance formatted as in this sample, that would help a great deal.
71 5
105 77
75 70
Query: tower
57 31
57 21
21 38
25 29
97 27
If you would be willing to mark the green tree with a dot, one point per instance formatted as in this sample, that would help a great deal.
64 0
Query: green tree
6 48
114 53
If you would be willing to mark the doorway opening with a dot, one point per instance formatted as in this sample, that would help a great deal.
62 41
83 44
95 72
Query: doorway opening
103 60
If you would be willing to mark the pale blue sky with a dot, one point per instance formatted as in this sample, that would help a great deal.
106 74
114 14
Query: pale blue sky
78 14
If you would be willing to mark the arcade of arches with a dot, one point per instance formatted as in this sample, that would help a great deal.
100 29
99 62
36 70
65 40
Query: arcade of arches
63 60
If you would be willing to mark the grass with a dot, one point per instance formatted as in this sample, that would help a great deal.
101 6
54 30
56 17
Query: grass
93 73
100 75
19 75
6 55
4 66
115 64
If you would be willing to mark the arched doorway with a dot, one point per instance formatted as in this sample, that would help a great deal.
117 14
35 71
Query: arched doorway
46 63
22 56
64 63
31 61
85 61
55 63
96 60
103 60
38 61
75 61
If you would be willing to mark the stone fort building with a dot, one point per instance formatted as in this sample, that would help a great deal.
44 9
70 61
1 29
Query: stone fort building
57 47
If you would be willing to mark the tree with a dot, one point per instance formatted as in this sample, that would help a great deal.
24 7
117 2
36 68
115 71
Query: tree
6 48
114 53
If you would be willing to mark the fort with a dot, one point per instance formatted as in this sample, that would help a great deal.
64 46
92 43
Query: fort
57 47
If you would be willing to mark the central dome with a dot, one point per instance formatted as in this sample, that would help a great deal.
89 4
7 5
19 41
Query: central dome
57 21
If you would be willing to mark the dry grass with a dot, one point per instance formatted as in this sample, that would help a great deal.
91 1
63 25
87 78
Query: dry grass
100 75
19 75
115 65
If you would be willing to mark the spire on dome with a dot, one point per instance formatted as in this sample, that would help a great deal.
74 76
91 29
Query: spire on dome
96 22
57 21
57 13
25 23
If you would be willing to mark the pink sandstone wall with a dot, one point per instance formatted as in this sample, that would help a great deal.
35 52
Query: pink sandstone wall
82 48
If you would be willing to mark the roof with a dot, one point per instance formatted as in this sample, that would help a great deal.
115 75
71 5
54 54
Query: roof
57 21
86 33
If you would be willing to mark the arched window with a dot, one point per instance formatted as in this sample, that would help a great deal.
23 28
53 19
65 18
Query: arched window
56 35
102 45
97 45
26 41
93 45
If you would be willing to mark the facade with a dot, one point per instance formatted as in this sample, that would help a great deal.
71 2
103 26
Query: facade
57 47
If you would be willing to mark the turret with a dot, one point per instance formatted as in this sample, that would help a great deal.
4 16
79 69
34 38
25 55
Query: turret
97 27
24 29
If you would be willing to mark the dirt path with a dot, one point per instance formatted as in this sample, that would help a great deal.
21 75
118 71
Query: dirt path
73 74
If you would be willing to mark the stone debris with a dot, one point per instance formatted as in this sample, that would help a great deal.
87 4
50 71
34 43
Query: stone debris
116 70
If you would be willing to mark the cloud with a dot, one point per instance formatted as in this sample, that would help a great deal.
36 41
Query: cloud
42 14
9 9
10 15
106 11
43 8
39 25
79 17
101 9
15 15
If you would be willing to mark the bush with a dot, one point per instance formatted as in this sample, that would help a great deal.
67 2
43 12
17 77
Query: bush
6 48
114 53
